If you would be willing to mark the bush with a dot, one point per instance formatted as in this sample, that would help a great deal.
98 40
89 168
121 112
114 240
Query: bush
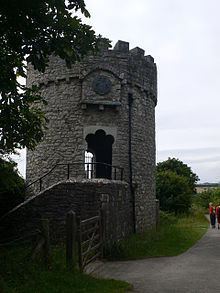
175 184
173 191
12 187
181 169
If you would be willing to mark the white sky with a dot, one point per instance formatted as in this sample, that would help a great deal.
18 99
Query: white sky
183 38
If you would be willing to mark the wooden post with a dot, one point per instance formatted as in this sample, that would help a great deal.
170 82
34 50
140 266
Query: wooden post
46 237
78 220
70 239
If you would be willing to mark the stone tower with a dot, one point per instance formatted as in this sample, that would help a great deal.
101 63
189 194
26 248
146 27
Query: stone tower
104 105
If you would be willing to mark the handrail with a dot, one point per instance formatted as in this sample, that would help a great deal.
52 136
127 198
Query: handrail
74 164
42 176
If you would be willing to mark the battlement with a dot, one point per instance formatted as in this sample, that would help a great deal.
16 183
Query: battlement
123 47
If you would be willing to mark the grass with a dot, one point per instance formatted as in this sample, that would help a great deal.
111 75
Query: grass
19 274
175 235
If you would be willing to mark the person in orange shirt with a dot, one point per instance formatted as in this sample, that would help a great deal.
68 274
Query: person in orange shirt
217 212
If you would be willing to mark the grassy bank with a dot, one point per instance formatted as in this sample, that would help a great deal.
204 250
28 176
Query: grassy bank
19 274
174 236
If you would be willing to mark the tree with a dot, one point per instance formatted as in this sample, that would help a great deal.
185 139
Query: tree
175 184
181 169
12 187
173 191
30 31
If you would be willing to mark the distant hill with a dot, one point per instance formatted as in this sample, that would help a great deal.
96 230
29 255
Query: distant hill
205 186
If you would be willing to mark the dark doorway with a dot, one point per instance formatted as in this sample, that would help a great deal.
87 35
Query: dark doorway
100 145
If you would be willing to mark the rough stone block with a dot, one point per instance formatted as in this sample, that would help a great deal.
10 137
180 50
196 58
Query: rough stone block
122 46
149 59
137 51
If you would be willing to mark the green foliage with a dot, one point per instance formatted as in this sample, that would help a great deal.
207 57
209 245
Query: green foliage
173 191
175 235
18 273
204 198
30 31
12 187
180 169
175 184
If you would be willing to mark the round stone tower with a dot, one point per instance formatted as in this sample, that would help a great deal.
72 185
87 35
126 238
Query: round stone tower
102 110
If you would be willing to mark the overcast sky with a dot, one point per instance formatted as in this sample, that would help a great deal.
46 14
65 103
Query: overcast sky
183 38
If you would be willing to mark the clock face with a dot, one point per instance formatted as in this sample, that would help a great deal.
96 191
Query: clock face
101 85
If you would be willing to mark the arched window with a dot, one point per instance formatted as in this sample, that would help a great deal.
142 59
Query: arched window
101 146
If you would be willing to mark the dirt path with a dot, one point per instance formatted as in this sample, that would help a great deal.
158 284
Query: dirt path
197 270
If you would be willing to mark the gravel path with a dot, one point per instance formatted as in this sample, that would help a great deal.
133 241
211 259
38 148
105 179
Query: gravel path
197 270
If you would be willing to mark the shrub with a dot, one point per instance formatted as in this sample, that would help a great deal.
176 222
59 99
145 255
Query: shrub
12 187
181 169
173 191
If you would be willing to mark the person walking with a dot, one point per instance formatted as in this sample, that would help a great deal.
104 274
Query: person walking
212 214
217 212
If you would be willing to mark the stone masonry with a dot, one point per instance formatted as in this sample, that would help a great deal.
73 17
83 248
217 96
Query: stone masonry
94 95
85 197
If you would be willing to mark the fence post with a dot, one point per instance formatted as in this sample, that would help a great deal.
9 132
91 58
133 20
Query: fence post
46 237
78 220
70 239
157 213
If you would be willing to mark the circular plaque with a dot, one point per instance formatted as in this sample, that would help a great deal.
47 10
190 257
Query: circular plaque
101 85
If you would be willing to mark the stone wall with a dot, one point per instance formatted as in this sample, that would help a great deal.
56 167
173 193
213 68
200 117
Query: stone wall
86 198
77 107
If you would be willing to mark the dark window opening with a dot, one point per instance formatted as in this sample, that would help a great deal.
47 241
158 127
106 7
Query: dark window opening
101 146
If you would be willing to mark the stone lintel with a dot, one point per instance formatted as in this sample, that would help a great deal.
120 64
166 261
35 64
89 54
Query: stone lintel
105 103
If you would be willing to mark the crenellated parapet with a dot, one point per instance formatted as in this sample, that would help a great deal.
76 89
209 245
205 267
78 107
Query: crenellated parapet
140 72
